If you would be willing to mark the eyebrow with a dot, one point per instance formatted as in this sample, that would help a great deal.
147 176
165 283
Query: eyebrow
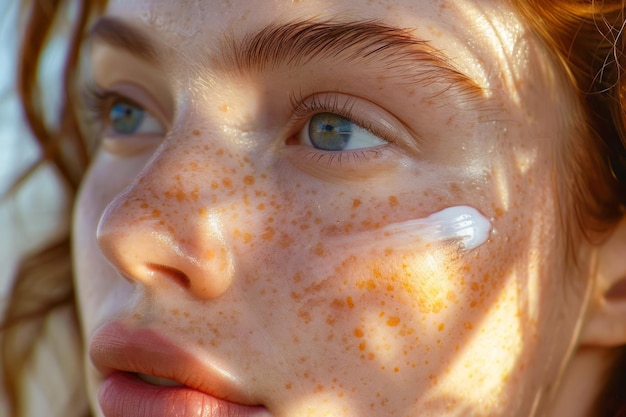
298 43
122 35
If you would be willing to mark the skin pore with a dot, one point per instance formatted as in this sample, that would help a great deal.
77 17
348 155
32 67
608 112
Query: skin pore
223 229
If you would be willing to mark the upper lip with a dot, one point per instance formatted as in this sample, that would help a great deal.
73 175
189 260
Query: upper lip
117 349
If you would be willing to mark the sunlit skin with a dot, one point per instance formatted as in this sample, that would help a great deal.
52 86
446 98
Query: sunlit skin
238 240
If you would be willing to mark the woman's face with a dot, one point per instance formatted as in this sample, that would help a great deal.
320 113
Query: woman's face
272 219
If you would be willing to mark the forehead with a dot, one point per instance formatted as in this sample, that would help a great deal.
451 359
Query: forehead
475 34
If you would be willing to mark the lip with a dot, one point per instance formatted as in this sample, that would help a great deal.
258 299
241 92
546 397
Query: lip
119 353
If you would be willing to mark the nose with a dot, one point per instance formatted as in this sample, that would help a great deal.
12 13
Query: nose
159 232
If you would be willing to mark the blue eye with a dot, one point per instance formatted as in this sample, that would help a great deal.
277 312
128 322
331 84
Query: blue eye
332 132
128 119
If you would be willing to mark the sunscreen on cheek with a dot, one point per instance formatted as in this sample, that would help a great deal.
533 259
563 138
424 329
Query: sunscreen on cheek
463 224
462 227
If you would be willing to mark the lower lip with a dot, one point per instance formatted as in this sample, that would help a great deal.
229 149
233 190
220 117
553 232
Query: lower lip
123 394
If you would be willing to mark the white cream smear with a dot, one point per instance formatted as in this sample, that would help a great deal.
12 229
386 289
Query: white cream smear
463 225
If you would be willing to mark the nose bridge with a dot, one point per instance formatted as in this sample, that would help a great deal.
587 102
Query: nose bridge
167 226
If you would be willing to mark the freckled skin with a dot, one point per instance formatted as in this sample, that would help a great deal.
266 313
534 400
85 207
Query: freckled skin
242 246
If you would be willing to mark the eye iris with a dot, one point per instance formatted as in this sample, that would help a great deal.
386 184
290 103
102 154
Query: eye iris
330 131
126 118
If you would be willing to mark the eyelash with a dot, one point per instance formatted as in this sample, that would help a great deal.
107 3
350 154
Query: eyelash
303 108
94 100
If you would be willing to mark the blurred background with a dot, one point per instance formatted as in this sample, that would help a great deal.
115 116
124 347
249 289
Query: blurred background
35 213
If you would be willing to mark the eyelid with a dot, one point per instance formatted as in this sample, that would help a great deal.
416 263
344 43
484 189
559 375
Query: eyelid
360 111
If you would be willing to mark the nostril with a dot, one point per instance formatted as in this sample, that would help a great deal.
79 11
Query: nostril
174 274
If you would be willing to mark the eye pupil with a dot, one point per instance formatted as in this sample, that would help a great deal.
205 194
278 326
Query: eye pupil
126 118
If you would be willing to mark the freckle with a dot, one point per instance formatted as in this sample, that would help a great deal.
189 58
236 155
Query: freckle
248 180
220 152
362 346
393 321
468 325
175 312
268 234
396 369
305 315
295 296
156 213
144 205
441 327
223 108
196 133
358 332
227 182
393 201
180 195
288 386
186 314
319 250
350 302
356 203
137 316
209 255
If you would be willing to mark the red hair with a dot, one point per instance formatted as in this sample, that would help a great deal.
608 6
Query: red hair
587 38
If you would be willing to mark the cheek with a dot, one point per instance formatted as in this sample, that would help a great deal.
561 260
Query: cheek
342 310
345 319
384 308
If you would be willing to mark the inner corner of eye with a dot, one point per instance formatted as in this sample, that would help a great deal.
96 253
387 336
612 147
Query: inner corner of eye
291 141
